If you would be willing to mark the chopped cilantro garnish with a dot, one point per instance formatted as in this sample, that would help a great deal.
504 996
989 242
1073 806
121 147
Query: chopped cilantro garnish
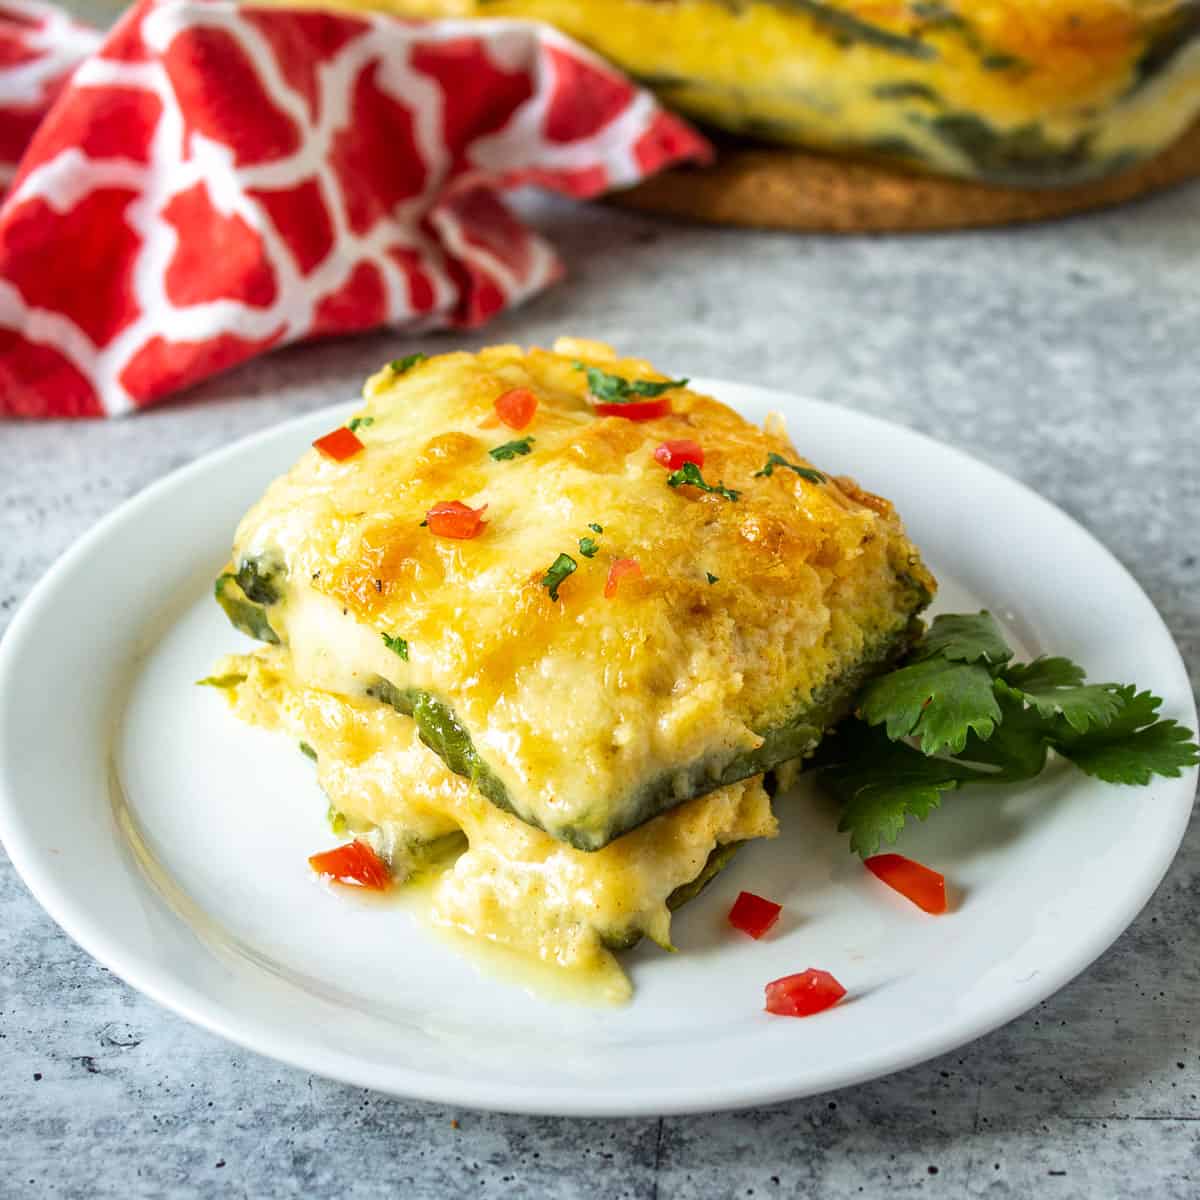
357 423
710 577
588 547
308 751
400 366
397 645
777 460
977 717
613 389
512 449
689 475
560 568
595 528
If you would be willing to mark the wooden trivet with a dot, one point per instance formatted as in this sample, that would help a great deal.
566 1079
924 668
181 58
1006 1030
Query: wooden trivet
777 188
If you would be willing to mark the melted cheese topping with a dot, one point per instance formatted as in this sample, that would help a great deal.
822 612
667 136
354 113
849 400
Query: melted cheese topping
574 702
514 885
1114 78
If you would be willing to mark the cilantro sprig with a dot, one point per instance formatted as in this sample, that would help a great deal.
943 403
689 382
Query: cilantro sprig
777 460
397 645
959 711
614 389
560 568
512 449
689 476
401 366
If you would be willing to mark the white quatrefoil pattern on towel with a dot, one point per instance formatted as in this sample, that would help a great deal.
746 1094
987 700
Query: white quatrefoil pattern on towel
217 180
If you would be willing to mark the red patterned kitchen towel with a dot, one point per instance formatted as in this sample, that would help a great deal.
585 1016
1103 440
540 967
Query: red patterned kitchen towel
39 48
217 180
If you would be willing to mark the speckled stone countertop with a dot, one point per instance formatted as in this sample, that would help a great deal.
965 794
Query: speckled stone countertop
1067 356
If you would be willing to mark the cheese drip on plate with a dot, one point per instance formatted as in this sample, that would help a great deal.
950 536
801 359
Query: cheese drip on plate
500 880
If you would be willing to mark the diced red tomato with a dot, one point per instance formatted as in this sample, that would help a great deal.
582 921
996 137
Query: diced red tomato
453 519
925 887
621 569
802 995
339 445
753 915
674 454
354 864
516 408
636 410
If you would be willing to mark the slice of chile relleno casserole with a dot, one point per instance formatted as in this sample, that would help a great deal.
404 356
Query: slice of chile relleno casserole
562 612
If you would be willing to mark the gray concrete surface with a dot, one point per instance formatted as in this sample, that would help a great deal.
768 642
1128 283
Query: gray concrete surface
1066 355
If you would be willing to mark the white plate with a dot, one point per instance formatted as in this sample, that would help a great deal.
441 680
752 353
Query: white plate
105 743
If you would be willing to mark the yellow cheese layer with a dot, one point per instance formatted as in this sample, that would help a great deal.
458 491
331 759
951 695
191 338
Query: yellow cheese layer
513 885
574 701
1038 91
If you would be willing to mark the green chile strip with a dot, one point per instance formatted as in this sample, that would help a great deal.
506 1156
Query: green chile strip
441 730
242 612
258 580
845 29
244 596
716 862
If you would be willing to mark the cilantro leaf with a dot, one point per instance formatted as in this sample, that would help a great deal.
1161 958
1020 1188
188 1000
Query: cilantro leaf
397 645
1135 746
401 366
588 547
1043 673
964 637
1017 747
999 720
512 449
1055 687
357 423
595 528
689 475
711 577
935 700
777 460
613 389
308 751
881 783
560 568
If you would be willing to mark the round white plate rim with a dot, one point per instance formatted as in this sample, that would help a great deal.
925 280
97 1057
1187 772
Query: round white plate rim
154 980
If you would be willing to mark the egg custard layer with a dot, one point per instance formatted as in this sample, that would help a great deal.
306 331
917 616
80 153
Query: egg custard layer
583 700
494 877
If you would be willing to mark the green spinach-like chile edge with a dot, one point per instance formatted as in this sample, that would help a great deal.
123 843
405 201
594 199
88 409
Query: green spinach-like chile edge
798 736
243 613
721 856
245 595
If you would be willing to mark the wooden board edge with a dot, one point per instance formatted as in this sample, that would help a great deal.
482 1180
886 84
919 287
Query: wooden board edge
781 188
